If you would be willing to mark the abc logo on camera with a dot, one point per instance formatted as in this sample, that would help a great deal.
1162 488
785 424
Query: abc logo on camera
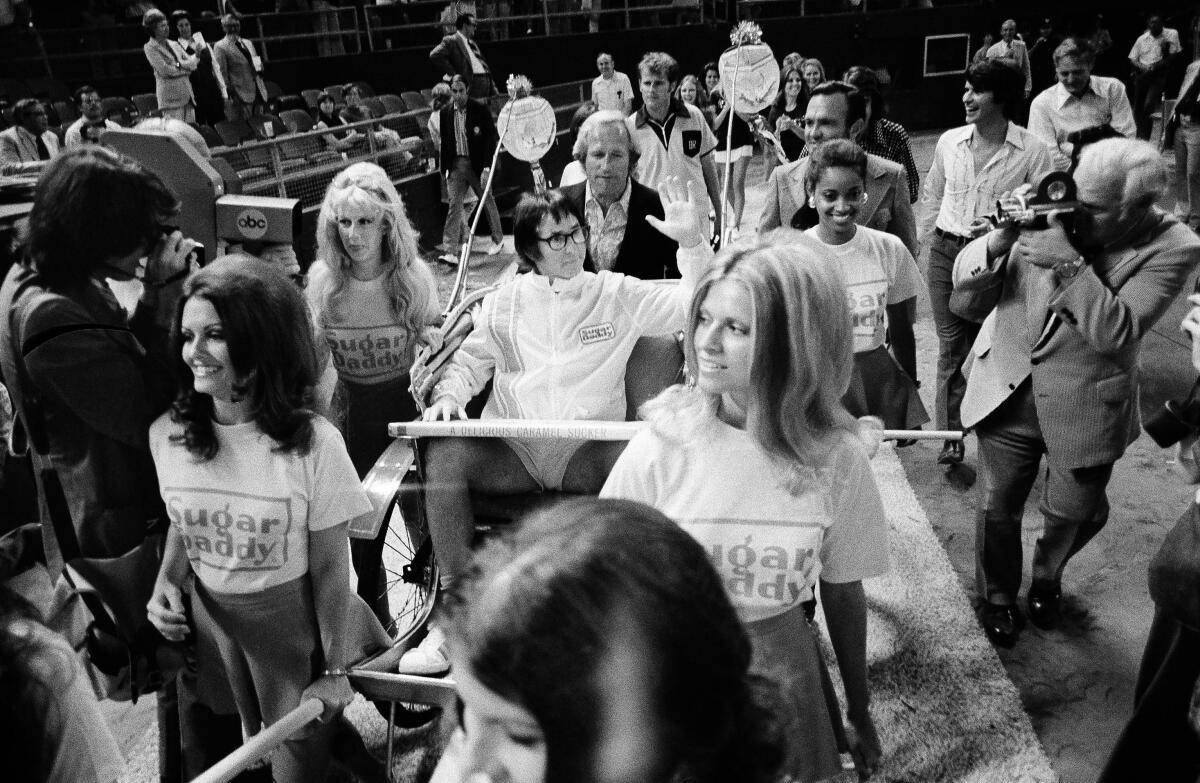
252 223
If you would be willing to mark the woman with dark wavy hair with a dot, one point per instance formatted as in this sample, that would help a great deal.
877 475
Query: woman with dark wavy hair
596 643
259 490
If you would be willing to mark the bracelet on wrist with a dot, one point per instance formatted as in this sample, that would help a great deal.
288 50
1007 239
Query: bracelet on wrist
175 278
337 672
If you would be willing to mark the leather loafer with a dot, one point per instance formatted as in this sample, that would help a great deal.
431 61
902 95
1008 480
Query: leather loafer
1045 607
1002 623
953 453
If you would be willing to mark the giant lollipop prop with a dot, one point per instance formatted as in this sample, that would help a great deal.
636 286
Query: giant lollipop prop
750 81
527 130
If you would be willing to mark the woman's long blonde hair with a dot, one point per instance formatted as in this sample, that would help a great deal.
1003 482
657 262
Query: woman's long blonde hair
410 287
803 351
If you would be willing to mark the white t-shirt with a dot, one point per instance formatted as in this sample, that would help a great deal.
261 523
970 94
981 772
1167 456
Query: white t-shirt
245 514
768 542
366 344
879 271
611 94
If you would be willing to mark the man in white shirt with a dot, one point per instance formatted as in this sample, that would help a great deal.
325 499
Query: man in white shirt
1012 50
673 138
972 166
611 90
28 145
1151 57
91 122
1079 100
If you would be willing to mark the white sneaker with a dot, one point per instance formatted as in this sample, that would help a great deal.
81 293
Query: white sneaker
496 248
429 658
448 258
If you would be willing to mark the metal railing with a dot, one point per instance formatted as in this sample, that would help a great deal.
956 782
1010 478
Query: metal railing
301 165
115 51
777 9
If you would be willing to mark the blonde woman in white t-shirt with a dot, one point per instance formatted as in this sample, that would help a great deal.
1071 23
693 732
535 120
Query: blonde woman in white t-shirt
373 300
761 463
882 281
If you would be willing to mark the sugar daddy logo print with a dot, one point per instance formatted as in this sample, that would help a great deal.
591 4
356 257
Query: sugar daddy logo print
231 531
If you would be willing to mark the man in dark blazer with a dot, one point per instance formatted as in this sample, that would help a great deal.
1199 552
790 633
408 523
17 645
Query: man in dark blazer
469 140
614 207
458 54
1054 369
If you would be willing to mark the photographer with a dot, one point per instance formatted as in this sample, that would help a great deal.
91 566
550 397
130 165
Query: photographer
87 379
1165 725
1055 365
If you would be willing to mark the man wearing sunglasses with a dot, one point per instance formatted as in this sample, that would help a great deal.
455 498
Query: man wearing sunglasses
1055 368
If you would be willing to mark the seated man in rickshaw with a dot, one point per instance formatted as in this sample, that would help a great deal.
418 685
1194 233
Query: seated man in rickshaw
555 344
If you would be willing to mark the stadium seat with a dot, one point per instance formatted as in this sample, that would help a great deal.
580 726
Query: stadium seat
375 106
428 94
146 103
393 104
286 102
273 89
414 100
335 90
67 111
120 110
234 132
297 121
310 97
211 137
268 126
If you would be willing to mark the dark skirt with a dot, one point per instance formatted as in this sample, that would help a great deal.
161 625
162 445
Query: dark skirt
878 387
786 653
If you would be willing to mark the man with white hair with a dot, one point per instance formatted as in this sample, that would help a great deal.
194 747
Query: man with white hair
614 206
1079 100
1056 366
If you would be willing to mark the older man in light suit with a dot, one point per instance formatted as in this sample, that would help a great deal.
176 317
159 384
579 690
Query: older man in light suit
28 145
838 111
238 69
1055 367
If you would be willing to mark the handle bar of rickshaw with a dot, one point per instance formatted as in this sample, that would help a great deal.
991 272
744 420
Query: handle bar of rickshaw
263 743
578 430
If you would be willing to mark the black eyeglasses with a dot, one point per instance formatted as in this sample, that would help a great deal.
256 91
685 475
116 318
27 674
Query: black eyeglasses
559 241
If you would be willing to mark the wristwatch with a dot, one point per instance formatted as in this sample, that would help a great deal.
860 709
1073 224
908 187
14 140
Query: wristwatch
1068 269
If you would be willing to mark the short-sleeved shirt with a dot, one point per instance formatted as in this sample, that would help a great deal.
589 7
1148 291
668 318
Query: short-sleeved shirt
768 531
611 94
879 271
672 148
367 345
245 515
1148 50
